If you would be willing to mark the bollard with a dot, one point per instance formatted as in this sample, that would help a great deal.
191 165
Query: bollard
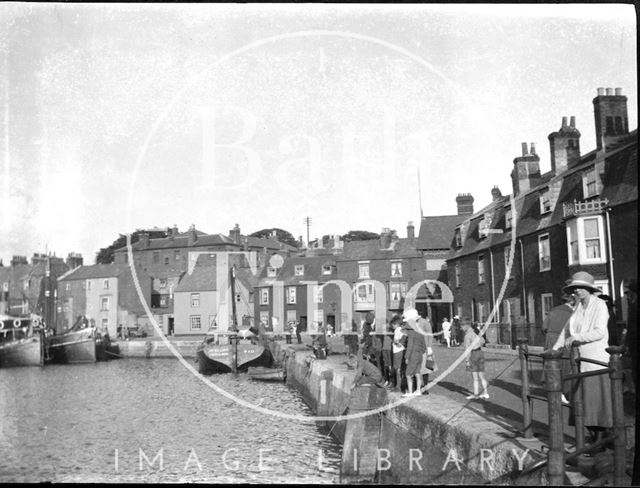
553 387
620 441
577 399
523 349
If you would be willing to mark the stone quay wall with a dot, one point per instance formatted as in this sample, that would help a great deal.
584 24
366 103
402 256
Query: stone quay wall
411 442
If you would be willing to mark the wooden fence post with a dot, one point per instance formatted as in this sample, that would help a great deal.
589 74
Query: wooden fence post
553 387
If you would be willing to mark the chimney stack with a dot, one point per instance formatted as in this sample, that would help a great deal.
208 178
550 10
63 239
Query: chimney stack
411 231
565 146
611 119
74 260
234 234
385 238
15 260
192 236
526 171
144 240
465 203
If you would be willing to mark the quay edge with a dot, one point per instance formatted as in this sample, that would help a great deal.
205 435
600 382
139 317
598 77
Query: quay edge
431 425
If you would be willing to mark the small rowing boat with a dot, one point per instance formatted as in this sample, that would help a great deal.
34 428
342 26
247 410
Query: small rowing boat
267 374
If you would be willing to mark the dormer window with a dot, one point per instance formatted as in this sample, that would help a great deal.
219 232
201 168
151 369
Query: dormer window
458 238
590 183
545 201
508 218
299 270
482 229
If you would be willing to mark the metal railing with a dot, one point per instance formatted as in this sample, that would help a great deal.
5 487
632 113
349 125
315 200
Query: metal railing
553 380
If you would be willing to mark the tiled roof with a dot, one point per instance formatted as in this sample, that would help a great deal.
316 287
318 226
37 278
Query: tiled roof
254 242
202 278
312 270
96 271
621 176
437 232
358 250
620 186
182 241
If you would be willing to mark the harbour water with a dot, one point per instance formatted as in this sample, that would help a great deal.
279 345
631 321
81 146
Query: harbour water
151 420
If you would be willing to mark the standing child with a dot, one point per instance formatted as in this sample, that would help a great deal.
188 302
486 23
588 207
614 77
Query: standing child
475 360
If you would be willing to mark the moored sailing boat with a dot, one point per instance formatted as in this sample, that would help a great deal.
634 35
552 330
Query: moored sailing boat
242 351
77 345
21 341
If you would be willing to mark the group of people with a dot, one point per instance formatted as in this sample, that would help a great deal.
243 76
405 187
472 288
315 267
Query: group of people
452 332
401 352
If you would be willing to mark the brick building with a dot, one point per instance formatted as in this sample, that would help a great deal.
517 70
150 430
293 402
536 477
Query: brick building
581 215
290 290
30 287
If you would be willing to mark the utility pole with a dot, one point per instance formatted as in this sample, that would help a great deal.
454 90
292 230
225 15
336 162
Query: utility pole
307 222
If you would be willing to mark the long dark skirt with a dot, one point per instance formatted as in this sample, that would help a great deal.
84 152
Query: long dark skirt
596 394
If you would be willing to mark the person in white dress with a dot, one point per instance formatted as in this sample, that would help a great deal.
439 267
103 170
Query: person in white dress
446 331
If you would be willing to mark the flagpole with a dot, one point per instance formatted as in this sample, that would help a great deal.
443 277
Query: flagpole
420 194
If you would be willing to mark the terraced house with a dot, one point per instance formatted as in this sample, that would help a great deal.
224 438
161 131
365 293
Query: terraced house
297 289
509 260
105 294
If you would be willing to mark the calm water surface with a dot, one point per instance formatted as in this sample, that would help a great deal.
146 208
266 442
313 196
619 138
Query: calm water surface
65 423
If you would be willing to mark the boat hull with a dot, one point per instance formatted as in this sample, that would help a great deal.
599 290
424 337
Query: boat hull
213 359
73 347
23 352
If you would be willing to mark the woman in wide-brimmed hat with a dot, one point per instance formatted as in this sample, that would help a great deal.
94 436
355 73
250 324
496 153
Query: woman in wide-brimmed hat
416 347
587 327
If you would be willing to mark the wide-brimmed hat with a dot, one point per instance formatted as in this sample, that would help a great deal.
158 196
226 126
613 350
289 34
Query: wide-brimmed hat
581 279
410 314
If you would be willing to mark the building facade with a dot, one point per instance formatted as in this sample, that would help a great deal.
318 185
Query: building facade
509 261
104 294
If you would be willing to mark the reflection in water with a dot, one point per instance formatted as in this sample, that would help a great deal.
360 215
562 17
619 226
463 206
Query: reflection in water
107 422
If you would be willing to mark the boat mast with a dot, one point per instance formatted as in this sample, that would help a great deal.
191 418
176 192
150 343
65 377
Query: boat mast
234 321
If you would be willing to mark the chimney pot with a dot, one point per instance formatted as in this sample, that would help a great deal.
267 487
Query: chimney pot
572 123
609 91
600 92
533 148
410 230
618 92
564 121
525 151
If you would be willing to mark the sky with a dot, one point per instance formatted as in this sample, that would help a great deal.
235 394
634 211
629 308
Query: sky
131 116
